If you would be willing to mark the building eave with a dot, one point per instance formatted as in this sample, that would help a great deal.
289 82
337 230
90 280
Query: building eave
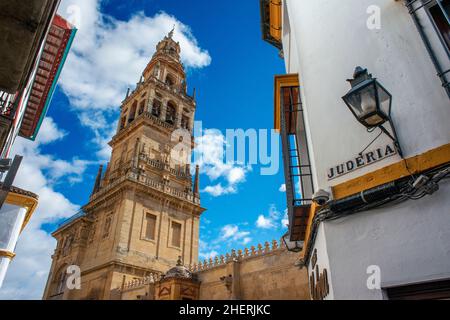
25 199
39 101
26 26
282 81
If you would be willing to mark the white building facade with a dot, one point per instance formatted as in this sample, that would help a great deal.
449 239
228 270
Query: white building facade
384 232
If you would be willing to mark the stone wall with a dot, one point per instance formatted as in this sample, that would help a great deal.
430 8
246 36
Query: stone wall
267 272
260 273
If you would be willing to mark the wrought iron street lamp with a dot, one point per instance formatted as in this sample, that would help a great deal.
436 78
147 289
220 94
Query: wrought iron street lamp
370 103
294 246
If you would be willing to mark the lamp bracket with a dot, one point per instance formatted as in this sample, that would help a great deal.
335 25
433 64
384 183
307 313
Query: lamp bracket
393 137
381 132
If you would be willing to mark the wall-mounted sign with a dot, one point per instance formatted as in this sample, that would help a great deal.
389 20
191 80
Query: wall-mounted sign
361 161
318 281
314 259
319 285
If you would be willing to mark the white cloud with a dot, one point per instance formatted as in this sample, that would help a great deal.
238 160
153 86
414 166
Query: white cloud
236 175
282 188
109 55
218 190
208 255
28 272
285 219
228 237
271 220
72 170
209 155
49 132
265 222
207 250
232 232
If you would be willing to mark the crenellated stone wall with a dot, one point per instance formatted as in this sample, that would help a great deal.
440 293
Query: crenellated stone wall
266 271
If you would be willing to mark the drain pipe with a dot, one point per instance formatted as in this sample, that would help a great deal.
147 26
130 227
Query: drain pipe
441 73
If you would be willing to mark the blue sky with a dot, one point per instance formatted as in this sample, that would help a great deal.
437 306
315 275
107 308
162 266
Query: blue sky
232 69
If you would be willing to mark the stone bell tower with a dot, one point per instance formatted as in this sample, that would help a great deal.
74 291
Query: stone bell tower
144 210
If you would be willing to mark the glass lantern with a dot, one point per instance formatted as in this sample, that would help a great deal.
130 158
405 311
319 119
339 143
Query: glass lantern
368 100
293 246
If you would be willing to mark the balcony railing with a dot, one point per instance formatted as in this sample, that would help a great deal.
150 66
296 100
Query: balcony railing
7 105
150 116
172 88
182 174
149 182
297 165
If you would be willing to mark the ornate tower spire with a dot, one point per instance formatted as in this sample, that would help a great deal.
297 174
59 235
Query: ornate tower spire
167 56
145 189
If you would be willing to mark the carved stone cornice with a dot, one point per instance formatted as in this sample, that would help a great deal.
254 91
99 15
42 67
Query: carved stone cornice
159 191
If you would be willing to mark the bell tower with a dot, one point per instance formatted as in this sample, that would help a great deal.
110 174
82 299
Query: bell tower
144 210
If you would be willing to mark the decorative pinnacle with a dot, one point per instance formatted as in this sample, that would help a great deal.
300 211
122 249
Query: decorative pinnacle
359 71
98 180
197 180
359 75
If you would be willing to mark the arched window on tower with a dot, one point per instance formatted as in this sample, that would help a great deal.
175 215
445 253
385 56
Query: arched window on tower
156 108
171 113
59 281
123 122
141 107
62 282
170 80
185 122
132 112
67 244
